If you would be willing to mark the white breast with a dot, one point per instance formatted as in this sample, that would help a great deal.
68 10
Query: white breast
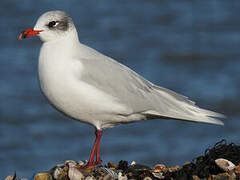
60 81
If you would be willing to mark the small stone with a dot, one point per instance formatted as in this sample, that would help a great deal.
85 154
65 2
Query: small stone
112 165
160 168
139 167
174 168
123 165
108 177
195 177
212 177
225 164
186 163
237 170
75 174
223 176
43 176
234 176
147 178
90 178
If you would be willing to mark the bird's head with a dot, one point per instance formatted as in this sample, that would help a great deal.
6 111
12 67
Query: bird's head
51 26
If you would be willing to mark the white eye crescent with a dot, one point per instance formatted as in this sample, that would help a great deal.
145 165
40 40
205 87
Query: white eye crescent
53 24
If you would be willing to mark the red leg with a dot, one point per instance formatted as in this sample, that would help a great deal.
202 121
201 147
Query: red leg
94 148
95 151
98 158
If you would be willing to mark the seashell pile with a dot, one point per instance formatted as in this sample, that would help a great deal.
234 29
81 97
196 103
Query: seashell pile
72 170
219 163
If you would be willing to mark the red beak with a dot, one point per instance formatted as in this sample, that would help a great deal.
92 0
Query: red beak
28 33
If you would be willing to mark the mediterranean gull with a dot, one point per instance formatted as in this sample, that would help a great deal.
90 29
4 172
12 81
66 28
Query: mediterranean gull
95 89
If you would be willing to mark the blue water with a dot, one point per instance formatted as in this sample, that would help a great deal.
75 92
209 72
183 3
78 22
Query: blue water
191 47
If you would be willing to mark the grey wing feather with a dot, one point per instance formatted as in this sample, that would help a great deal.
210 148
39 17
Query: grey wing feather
139 94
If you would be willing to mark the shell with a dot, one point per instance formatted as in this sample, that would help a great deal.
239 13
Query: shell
225 164
160 168
158 175
43 176
75 174
70 163
82 163
60 173
133 163
107 171
121 177
12 177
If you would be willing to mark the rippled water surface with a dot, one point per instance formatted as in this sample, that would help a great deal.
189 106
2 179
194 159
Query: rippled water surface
191 47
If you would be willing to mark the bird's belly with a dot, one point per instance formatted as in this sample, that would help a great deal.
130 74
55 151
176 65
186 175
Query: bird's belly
77 99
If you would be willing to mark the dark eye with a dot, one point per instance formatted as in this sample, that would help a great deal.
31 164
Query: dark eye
52 24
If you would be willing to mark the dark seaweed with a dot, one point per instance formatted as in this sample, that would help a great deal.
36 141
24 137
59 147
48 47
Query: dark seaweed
204 166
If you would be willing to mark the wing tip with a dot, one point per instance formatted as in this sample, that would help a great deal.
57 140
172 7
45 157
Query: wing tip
217 122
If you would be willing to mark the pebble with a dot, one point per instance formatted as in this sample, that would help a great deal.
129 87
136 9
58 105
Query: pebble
147 178
90 178
108 177
186 163
223 176
195 177
43 176
112 165
237 170
123 165
174 168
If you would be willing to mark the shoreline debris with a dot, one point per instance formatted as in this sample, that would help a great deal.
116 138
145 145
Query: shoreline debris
220 162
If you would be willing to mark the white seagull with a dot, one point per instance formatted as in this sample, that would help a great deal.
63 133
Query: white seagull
93 88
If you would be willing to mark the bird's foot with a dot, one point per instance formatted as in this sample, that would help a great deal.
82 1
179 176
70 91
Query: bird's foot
91 165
